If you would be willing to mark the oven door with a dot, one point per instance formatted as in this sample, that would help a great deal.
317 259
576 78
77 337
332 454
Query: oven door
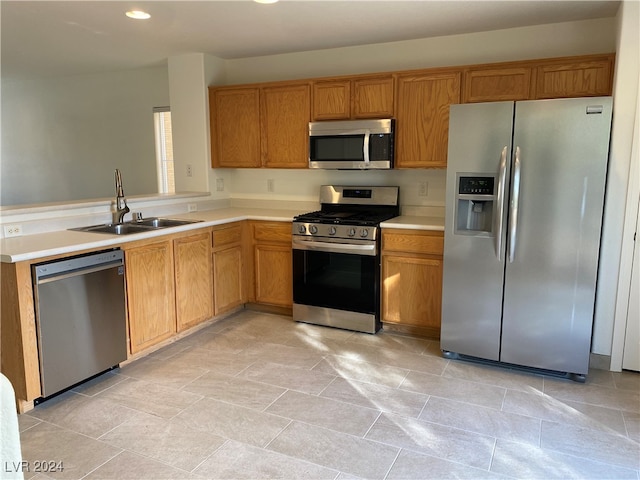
336 276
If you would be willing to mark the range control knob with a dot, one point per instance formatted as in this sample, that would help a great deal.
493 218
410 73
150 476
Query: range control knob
332 230
364 232
302 229
351 232
313 229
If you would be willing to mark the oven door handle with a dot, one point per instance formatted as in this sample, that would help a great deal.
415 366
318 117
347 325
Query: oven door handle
348 248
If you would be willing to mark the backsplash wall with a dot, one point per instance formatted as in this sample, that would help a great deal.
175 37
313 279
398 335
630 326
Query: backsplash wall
419 189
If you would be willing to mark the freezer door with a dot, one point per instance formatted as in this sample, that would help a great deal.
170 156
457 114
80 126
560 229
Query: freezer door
473 273
554 241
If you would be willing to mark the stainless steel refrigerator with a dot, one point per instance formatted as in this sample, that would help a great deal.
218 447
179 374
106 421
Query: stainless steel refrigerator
524 204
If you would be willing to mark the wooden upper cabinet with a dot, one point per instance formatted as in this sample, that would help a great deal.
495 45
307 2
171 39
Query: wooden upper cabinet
497 84
373 97
358 97
422 107
577 78
235 127
285 112
266 125
331 100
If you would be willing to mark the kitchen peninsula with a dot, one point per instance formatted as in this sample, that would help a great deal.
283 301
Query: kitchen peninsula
229 236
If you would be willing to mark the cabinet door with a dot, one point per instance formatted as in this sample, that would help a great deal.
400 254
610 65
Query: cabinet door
332 100
227 279
422 108
373 97
150 294
274 274
574 79
497 84
235 127
412 292
194 292
285 112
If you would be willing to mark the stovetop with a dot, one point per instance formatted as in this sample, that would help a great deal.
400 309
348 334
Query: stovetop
370 218
348 213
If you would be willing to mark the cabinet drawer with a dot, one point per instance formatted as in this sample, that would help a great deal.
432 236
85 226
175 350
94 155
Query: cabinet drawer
272 232
227 236
431 243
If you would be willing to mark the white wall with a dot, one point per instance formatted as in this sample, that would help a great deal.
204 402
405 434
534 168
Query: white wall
624 113
189 76
62 138
303 185
553 40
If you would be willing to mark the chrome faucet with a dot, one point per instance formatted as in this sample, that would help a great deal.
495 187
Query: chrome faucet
121 202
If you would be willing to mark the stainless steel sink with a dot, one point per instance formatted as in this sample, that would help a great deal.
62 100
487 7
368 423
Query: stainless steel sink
162 222
127 228
116 228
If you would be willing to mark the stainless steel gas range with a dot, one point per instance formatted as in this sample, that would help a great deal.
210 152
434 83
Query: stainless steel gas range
336 257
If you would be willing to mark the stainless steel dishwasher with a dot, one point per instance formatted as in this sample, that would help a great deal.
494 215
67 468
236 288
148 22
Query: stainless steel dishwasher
80 318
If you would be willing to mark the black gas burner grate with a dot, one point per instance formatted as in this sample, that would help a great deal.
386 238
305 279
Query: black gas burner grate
342 217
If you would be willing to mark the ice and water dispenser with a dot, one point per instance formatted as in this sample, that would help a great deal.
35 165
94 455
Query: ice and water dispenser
475 198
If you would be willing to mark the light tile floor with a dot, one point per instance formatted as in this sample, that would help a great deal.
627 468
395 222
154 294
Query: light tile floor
258 396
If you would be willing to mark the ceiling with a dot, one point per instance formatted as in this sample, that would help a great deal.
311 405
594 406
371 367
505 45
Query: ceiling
51 38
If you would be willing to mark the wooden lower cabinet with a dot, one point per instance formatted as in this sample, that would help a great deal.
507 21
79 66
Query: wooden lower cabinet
150 294
412 281
272 263
193 282
18 343
169 287
228 266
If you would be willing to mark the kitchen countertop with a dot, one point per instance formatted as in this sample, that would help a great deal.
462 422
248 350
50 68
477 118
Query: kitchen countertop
31 247
415 222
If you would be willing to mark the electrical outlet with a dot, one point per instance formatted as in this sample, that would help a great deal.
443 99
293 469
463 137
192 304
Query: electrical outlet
189 170
270 185
423 189
12 230
220 184
192 207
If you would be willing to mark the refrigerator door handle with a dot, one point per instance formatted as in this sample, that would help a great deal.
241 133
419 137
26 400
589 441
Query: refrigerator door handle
513 214
498 220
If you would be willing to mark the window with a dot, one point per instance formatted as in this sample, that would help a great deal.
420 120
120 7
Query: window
164 149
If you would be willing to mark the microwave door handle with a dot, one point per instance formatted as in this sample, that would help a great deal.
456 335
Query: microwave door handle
365 147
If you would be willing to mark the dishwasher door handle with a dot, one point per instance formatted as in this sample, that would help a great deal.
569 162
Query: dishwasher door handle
83 271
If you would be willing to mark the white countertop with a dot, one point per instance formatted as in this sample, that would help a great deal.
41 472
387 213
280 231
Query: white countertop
30 247
414 222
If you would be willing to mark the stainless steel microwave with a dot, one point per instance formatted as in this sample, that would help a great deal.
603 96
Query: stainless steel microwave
352 144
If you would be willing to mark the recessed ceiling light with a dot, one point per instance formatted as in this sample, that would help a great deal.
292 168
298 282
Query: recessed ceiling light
137 14
265 1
